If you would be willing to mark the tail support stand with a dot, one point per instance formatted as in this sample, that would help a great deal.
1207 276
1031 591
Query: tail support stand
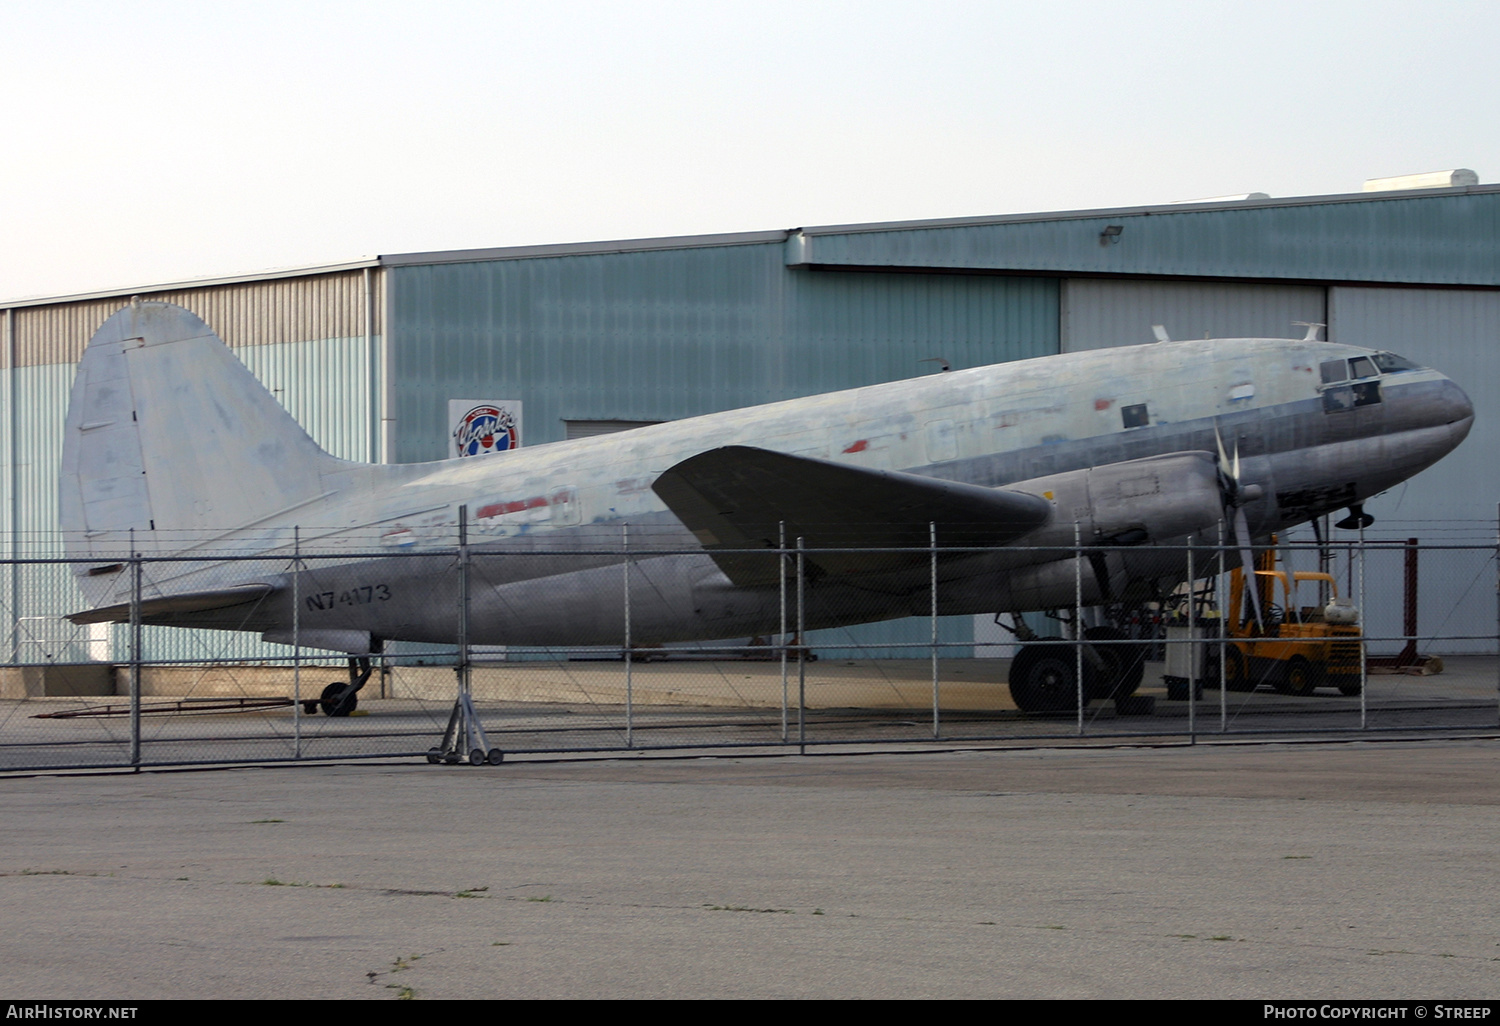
465 737
465 733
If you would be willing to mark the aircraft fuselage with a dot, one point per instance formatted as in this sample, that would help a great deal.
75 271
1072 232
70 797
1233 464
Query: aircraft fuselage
1315 426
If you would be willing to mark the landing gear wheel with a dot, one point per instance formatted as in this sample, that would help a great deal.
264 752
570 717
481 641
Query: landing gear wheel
1124 664
1301 678
310 707
434 755
452 758
1044 679
333 704
496 757
1236 674
476 757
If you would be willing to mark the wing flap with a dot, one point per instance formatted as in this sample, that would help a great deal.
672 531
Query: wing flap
737 498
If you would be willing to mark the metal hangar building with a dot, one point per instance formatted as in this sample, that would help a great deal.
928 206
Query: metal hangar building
602 336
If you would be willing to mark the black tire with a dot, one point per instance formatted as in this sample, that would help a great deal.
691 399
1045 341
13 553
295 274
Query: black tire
434 755
496 757
1124 664
1213 673
1044 679
476 757
1236 673
333 705
1351 689
1299 678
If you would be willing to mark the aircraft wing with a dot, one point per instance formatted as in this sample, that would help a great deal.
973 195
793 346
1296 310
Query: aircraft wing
738 497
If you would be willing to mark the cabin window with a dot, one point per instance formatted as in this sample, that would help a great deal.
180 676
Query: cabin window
1135 416
1362 367
1334 370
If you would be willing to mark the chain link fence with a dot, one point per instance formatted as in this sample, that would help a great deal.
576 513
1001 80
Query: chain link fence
1346 637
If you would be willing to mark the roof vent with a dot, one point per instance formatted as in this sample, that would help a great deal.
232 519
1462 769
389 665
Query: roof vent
1454 179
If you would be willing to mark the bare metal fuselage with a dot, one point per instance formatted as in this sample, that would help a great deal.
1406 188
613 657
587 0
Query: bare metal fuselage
549 527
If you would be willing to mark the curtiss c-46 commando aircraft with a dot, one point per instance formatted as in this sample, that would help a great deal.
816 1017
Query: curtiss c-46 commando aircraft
174 449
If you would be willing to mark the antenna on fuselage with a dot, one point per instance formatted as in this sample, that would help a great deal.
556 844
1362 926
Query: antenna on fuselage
1312 329
1160 331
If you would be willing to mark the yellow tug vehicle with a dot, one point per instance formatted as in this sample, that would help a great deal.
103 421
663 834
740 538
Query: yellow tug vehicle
1296 649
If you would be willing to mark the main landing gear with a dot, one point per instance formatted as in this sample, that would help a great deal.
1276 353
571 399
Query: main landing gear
339 698
1044 673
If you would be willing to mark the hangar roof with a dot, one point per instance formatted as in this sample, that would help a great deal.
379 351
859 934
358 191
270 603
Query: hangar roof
1415 237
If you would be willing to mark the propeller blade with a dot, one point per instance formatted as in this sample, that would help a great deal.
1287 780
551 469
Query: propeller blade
1247 562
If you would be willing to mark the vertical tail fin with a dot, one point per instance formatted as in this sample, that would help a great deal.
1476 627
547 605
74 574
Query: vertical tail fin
168 435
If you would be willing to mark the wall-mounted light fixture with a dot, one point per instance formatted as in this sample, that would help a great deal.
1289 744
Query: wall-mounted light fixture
1111 234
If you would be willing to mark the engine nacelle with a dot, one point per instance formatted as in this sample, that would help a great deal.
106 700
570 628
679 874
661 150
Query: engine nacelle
1137 502
1123 512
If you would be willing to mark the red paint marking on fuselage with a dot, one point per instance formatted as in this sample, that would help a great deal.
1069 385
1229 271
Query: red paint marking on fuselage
499 509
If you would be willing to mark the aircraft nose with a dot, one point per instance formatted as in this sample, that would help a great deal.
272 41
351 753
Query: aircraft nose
1459 410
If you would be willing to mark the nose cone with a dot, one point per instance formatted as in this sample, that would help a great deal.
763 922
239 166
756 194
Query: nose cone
1458 412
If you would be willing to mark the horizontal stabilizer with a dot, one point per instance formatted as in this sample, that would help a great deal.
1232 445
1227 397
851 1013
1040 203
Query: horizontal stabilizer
189 602
739 497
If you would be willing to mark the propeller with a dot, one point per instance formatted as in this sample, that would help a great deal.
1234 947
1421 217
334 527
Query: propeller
1236 494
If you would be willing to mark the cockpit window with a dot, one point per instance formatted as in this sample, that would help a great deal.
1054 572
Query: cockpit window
1362 375
1390 362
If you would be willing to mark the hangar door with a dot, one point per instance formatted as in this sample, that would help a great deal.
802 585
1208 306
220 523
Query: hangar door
1101 313
1453 503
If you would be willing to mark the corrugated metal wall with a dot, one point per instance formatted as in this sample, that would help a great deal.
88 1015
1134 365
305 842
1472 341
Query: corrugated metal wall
671 334
291 309
1445 236
1099 313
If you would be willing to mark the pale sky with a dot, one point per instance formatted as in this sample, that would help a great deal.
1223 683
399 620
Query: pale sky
157 141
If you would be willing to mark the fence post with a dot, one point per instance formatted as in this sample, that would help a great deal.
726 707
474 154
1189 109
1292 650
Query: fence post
465 680
296 642
801 651
1193 647
1221 592
14 467
932 587
135 654
781 557
629 665
1078 620
1364 654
